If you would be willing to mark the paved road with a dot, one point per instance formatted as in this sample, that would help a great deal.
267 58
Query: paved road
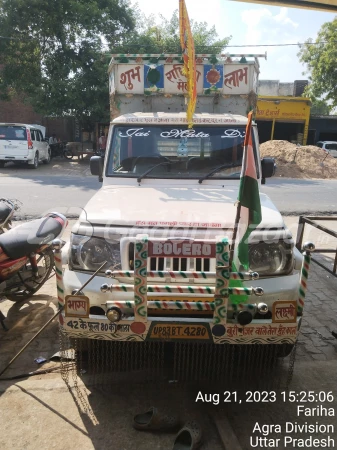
67 191
40 192
294 196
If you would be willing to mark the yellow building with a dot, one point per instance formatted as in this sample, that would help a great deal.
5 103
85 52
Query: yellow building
285 118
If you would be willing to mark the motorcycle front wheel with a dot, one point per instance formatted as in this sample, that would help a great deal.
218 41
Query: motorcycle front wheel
24 283
68 154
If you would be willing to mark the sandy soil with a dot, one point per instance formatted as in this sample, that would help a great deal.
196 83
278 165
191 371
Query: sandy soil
294 161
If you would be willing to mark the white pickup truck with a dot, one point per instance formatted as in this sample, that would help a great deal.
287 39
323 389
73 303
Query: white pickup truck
163 220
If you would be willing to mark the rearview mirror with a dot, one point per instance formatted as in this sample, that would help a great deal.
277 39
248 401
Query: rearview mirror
96 167
268 168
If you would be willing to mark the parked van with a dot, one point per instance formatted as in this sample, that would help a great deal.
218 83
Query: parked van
328 146
23 143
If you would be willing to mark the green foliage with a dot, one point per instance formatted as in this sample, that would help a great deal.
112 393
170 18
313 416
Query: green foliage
320 107
55 57
321 62
163 37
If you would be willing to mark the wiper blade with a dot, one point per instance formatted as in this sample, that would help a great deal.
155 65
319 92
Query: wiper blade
165 163
217 169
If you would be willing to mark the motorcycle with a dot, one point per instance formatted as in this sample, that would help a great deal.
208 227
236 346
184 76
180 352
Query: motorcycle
26 256
61 149
7 210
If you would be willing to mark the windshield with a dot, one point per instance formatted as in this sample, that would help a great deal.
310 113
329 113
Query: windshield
184 153
13 133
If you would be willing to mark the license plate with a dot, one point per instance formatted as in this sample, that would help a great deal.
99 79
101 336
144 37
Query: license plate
177 331
10 147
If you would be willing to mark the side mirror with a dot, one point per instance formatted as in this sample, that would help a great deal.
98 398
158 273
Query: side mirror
96 167
268 168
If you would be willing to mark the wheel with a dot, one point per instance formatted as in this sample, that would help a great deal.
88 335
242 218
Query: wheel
47 161
24 284
68 154
2 164
35 164
284 350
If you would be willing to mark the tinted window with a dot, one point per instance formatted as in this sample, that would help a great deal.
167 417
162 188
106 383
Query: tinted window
32 133
319 144
180 153
331 146
13 133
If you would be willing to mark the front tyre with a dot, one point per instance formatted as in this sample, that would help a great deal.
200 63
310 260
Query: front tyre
24 283
285 350
68 154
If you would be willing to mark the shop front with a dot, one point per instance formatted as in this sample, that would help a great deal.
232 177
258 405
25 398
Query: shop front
283 118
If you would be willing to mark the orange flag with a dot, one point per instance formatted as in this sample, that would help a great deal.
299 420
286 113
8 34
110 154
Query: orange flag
189 70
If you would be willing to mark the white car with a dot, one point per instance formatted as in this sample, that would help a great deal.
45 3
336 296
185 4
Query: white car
329 146
23 143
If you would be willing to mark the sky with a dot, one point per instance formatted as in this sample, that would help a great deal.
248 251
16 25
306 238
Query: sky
251 24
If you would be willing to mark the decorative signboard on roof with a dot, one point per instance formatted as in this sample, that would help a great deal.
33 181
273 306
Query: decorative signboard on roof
139 76
176 83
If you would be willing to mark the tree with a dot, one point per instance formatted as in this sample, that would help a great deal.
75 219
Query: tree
163 37
320 58
320 107
55 54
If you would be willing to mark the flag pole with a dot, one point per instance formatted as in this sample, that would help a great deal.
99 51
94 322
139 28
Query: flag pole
235 232
238 208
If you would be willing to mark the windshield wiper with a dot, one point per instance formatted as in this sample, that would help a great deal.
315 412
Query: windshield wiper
217 169
165 163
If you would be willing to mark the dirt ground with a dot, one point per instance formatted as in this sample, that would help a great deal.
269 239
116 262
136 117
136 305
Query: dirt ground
294 161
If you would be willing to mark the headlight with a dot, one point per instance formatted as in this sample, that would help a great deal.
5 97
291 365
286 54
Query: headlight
271 258
88 253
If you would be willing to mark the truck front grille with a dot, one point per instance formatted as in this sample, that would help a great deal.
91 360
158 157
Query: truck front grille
175 264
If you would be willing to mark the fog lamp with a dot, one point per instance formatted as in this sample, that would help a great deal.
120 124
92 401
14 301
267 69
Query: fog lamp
244 317
262 308
114 314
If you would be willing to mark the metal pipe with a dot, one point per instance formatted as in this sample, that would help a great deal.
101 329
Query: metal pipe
300 232
321 227
32 339
323 267
321 218
61 308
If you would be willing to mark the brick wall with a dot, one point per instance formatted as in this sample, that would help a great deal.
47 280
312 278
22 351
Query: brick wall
18 111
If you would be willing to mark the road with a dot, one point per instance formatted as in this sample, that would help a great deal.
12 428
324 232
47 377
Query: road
40 191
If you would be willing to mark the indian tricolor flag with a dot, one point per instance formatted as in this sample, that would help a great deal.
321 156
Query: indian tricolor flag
249 198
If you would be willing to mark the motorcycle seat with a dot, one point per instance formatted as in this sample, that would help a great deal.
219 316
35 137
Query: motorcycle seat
4 211
29 237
